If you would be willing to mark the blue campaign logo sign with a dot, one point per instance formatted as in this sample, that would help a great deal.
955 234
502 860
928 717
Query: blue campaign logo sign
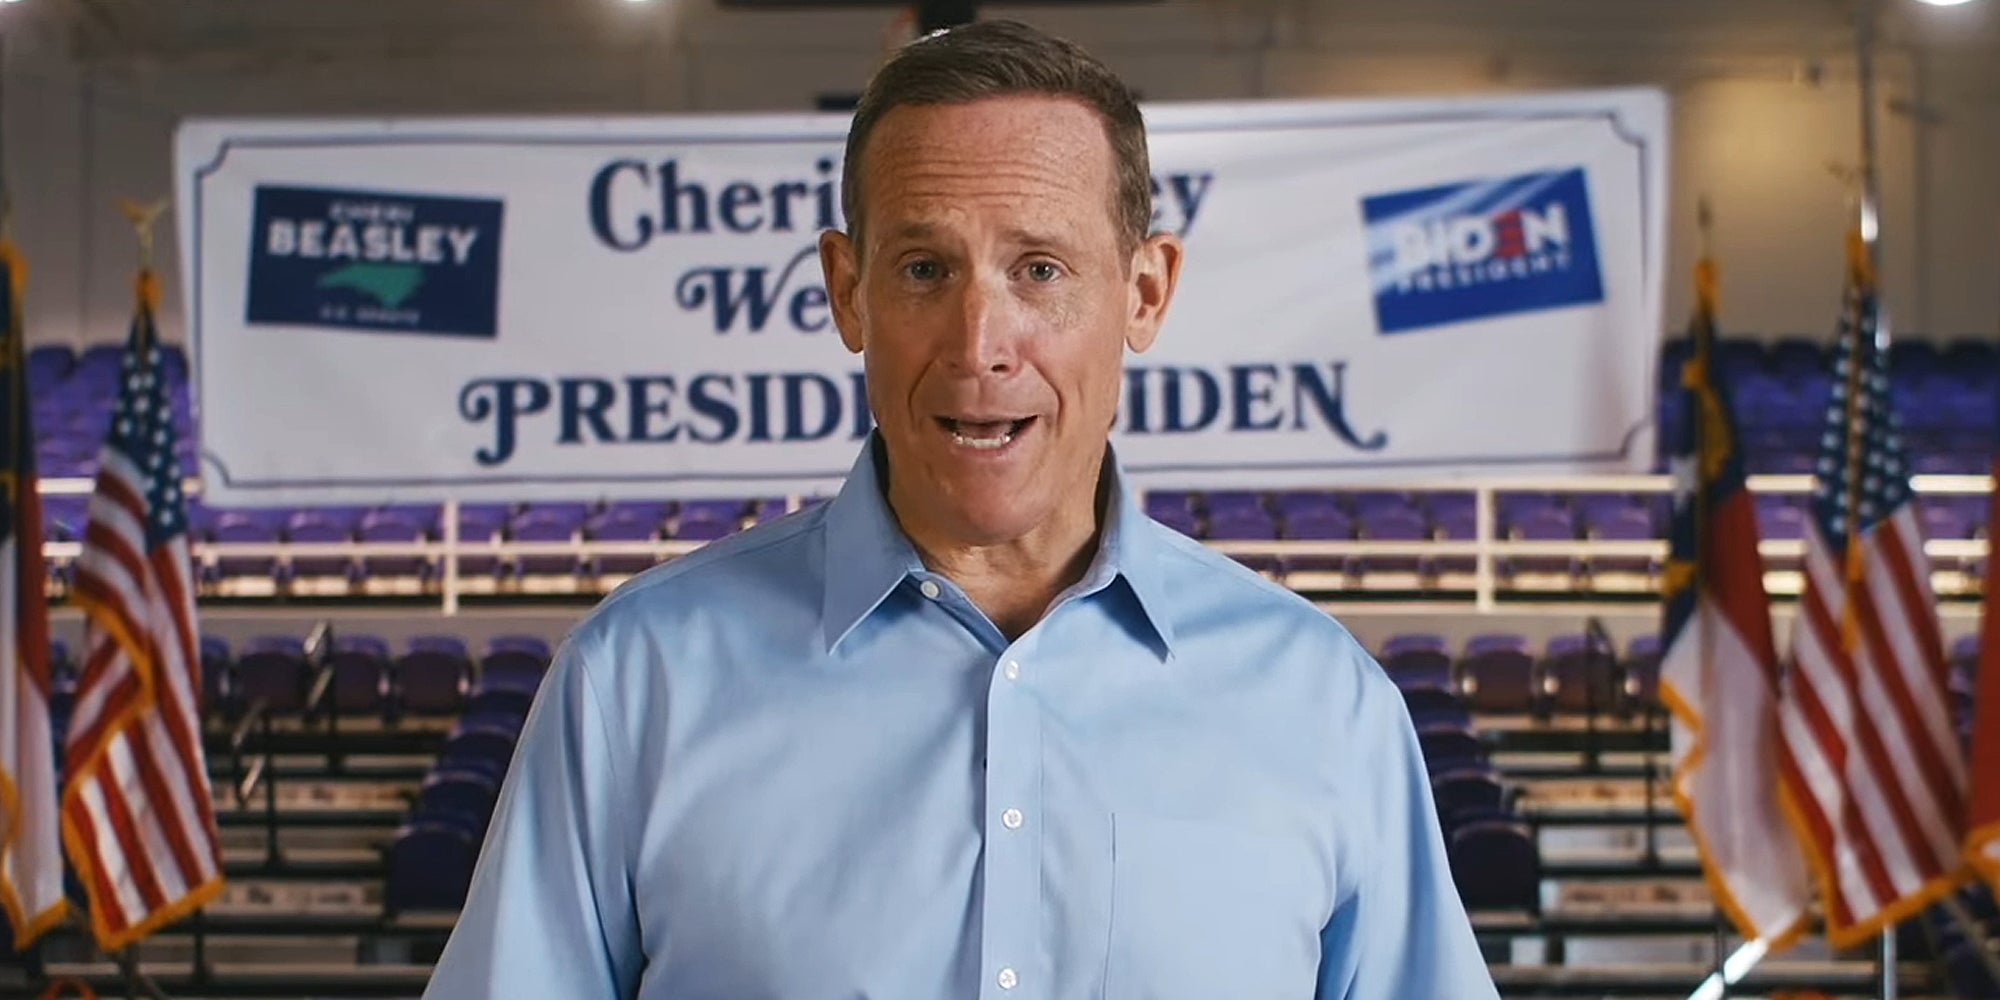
1484 248
368 260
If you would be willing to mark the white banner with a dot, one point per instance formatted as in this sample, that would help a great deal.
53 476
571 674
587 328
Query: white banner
498 309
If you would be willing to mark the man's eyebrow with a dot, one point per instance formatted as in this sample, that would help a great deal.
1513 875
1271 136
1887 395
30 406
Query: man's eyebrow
1038 237
912 230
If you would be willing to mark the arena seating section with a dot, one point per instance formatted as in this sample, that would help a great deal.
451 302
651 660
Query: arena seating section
380 761
1948 398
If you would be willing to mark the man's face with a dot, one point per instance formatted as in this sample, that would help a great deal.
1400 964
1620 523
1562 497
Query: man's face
993 300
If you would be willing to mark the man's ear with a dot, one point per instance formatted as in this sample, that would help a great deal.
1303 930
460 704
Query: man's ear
1156 272
842 267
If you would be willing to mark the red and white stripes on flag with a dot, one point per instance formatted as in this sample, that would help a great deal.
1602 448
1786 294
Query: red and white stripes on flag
137 811
31 866
1719 676
1874 776
1982 841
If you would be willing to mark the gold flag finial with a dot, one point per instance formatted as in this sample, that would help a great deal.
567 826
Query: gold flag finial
1707 284
144 216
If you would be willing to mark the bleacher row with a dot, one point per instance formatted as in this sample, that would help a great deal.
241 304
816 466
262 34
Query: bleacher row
1948 397
1527 745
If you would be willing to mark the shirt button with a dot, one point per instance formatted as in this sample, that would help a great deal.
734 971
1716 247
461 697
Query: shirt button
1012 819
1008 980
930 589
1012 670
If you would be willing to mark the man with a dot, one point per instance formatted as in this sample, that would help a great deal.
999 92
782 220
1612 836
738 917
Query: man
977 727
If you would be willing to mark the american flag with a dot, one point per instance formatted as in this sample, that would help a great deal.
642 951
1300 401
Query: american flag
31 868
1982 842
137 811
1873 773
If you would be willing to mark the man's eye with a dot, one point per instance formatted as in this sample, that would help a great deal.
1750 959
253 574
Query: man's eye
1043 271
924 270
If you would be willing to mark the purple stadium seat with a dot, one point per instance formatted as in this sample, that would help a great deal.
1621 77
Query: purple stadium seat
1454 517
1447 748
430 868
1642 674
1391 523
1433 708
64 517
1496 865
434 677
1318 524
478 526
243 527
457 795
1419 668
1796 356
1499 677
218 683
1489 641
479 741
273 670
768 509
1577 679
1231 502
106 359
427 517
1370 505
626 523
391 528
1965 648
1942 521
557 524
522 642
361 681
1780 518
316 528
1168 500
499 707
511 669
1468 794
1526 506
1308 503
1409 641
568 510
49 364
708 520
1592 508
1623 524
1540 524
1239 523
1179 519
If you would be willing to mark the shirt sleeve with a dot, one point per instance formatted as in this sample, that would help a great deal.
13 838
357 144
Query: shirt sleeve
551 911
1403 932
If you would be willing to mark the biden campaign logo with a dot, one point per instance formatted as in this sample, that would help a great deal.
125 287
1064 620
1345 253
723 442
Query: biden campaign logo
1485 248
372 261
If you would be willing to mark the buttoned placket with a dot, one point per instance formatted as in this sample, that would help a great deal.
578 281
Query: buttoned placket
1011 960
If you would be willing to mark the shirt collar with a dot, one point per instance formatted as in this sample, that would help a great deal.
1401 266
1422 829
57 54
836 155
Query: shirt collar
868 556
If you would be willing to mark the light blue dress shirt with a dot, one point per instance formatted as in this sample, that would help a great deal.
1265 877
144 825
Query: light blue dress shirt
795 765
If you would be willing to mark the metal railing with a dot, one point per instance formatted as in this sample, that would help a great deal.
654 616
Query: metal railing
1487 550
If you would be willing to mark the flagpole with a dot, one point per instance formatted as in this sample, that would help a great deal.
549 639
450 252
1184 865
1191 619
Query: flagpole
1704 447
1871 239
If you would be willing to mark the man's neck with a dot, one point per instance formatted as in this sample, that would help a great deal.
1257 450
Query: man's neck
1016 580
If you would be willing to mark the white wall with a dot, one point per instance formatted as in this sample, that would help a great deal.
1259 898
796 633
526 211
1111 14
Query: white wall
1764 95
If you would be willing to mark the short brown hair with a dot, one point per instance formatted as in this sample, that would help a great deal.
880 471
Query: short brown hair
999 59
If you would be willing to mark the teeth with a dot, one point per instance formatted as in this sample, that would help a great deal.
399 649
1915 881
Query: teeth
982 444
1000 433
